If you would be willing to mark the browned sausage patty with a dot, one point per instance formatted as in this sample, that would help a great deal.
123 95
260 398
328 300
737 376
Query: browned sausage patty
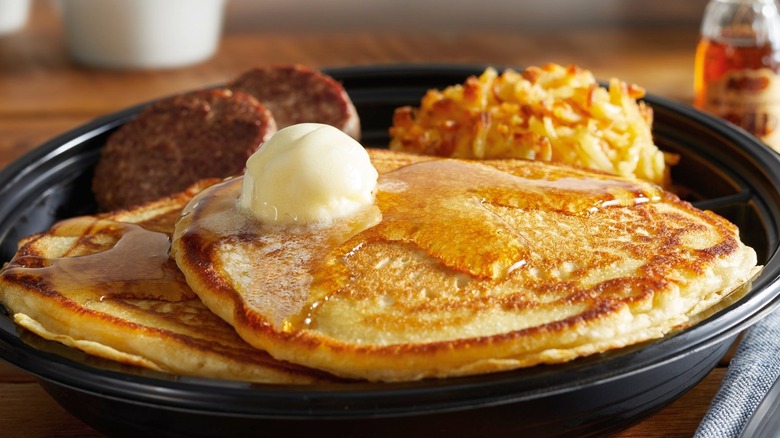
178 141
297 94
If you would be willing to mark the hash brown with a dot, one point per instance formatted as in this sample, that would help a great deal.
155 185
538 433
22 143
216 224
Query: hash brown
550 113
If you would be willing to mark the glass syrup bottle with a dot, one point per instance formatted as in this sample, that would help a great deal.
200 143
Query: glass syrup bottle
737 66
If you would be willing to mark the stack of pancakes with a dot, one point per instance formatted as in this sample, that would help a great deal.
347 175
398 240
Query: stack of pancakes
475 267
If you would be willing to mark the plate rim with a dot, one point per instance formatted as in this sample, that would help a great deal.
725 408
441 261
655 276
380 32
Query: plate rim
138 385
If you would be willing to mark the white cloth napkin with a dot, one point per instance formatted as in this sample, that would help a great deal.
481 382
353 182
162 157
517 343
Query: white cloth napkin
752 371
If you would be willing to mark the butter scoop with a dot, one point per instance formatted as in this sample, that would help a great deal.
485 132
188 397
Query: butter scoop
308 173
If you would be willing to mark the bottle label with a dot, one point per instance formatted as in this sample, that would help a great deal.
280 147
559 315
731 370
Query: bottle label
749 99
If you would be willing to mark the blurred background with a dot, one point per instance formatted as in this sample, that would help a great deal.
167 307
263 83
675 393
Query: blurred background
44 90
444 15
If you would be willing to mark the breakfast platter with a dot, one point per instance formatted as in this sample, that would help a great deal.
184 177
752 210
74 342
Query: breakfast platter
720 168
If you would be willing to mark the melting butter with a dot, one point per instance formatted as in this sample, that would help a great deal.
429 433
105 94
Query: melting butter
307 173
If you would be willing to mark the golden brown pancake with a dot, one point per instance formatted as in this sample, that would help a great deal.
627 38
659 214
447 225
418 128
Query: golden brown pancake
474 267
106 285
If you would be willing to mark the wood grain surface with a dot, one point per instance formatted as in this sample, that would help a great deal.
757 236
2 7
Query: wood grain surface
43 93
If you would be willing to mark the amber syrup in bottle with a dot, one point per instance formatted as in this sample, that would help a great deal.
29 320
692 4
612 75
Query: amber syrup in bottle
737 63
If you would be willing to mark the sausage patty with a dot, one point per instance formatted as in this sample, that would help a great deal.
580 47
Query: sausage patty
297 94
177 141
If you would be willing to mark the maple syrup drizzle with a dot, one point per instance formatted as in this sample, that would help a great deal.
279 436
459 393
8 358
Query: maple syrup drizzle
136 266
290 261
445 210
445 207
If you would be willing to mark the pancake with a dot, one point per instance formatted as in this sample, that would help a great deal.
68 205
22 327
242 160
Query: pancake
105 285
474 267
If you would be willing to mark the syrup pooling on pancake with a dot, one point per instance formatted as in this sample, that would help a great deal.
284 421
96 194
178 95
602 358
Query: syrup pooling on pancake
136 266
107 286
290 252
293 270
436 196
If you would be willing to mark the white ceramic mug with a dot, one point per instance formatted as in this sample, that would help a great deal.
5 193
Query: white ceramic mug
142 33
13 15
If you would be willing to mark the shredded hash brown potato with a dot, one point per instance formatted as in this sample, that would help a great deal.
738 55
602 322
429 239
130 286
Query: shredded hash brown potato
550 113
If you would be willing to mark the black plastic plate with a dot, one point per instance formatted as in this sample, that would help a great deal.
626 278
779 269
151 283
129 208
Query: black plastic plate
725 169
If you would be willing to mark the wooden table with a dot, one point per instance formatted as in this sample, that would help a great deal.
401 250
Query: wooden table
42 93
